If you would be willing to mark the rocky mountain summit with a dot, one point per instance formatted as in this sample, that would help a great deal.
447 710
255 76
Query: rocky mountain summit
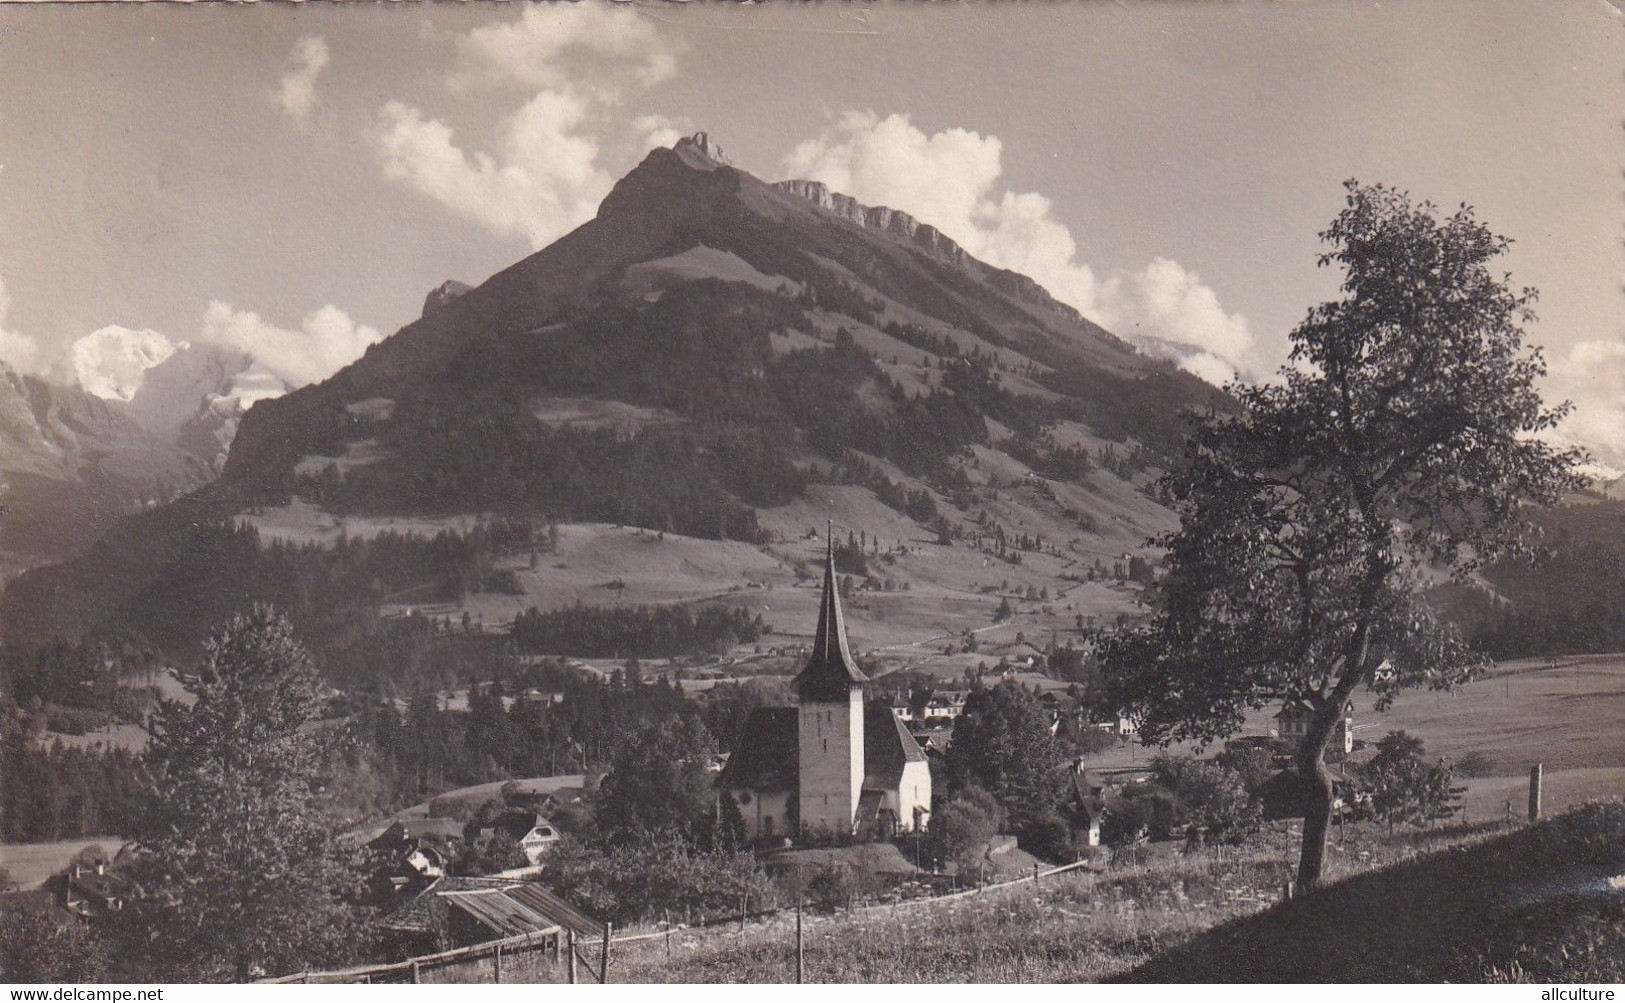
701 358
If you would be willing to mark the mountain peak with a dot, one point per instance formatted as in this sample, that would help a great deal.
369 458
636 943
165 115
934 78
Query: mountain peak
699 147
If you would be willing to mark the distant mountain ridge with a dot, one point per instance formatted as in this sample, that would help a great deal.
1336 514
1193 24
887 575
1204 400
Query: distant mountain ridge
701 351
71 464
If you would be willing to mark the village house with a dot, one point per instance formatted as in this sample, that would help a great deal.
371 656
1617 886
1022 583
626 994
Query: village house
532 833
409 853
91 891
1292 724
834 763
945 706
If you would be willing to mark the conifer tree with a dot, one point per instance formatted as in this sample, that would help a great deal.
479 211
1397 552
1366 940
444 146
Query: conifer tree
239 869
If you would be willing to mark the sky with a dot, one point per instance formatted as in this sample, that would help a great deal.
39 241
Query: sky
294 179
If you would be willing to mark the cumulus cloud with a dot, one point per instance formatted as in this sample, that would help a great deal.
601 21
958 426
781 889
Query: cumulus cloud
542 177
543 181
17 350
556 46
651 131
325 342
296 92
111 362
1592 375
951 179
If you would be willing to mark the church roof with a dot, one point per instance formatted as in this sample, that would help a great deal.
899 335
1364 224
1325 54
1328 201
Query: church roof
887 747
830 672
768 757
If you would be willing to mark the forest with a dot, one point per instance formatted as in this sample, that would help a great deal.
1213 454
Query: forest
635 632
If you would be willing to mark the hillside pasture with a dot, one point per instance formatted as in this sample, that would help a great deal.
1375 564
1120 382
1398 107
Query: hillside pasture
31 864
1208 915
1570 717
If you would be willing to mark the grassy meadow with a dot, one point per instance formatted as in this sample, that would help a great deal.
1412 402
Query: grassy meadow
1462 903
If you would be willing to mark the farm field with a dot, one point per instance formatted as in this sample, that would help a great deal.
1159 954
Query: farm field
30 864
1570 717
950 589
480 792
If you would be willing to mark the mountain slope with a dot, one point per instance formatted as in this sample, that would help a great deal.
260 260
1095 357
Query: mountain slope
702 358
70 465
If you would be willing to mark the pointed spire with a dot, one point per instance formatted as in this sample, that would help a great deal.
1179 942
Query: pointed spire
830 673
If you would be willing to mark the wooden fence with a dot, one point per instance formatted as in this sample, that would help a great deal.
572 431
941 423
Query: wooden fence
529 957
540 956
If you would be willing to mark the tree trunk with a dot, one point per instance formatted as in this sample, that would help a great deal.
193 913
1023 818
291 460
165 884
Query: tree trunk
1317 788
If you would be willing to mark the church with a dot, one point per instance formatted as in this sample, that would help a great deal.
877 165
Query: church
834 764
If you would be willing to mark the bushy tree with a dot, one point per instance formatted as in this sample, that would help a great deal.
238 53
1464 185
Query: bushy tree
1404 787
660 783
1210 800
1002 744
239 870
657 877
39 945
1401 440
961 828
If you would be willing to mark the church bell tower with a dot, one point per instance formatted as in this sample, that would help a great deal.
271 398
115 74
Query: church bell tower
829 692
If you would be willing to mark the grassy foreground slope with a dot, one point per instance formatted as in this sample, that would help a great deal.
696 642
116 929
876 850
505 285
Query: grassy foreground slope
1545 903
1473 904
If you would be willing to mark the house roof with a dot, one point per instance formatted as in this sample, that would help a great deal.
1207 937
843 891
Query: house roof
501 913
1086 805
558 910
869 803
830 672
518 824
767 757
501 904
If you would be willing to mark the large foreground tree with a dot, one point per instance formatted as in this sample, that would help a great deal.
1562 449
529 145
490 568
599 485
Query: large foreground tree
239 868
1401 442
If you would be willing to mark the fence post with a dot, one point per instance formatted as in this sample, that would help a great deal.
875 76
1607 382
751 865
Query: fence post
668 933
497 957
1534 792
799 961
415 973
571 950
744 907
1287 889
603 955
1035 874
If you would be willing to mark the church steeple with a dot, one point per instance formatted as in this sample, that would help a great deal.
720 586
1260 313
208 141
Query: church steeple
830 673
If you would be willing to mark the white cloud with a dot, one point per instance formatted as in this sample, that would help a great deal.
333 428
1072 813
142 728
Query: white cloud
296 92
952 180
651 131
543 182
1592 375
17 350
554 46
326 341
112 361
542 177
